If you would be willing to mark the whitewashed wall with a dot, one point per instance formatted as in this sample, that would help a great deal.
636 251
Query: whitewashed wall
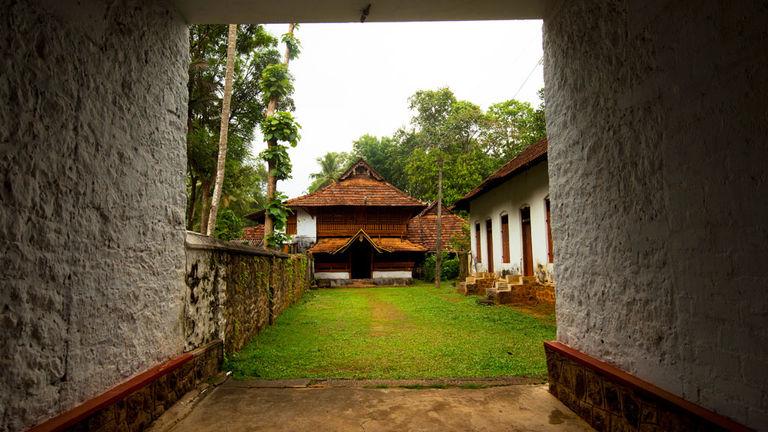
392 274
656 116
92 132
528 189
332 275
306 225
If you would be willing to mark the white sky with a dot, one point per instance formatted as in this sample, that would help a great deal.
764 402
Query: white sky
353 79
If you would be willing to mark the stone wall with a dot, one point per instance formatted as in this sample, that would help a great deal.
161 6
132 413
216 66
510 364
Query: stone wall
610 400
92 128
656 116
234 291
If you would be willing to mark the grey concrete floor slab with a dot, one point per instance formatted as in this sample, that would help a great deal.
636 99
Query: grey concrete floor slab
236 407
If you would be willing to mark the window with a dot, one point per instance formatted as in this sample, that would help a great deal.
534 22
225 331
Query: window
290 226
550 250
504 238
479 254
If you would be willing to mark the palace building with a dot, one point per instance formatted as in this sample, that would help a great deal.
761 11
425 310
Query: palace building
361 227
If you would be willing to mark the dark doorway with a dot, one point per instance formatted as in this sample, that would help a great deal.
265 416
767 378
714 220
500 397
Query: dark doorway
525 218
489 242
360 260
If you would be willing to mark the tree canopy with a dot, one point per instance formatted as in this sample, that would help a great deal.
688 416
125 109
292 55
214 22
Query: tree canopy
332 165
243 189
472 143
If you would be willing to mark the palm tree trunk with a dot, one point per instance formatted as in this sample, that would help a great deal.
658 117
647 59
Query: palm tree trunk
271 180
192 200
224 129
439 240
205 203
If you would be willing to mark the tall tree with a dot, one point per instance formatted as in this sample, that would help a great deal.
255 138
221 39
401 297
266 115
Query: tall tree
224 128
439 240
255 50
278 126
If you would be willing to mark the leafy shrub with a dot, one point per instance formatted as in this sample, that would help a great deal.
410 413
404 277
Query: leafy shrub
229 226
449 270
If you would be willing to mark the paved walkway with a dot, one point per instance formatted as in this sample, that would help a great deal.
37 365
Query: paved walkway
249 406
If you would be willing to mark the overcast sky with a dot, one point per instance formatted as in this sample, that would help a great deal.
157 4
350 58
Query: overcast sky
353 79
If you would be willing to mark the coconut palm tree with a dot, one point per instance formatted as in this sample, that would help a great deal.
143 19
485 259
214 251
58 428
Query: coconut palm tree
332 164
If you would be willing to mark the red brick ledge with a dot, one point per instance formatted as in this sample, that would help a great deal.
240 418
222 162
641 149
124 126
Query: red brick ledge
615 374
121 391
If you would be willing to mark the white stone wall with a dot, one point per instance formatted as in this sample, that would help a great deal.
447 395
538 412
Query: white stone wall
92 132
306 226
331 275
656 116
392 274
528 189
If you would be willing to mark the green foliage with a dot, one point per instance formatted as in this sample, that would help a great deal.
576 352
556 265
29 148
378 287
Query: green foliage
277 155
449 267
228 225
461 242
332 165
281 127
293 44
425 333
511 126
276 81
388 155
278 211
470 143
244 180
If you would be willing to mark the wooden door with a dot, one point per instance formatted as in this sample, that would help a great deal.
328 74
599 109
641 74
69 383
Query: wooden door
489 242
525 217
550 248
360 260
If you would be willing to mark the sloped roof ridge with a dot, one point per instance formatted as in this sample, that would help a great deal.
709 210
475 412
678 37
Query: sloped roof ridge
360 161
360 234
396 193
445 210
528 156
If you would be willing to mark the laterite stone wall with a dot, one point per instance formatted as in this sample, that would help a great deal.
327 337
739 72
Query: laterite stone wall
234 291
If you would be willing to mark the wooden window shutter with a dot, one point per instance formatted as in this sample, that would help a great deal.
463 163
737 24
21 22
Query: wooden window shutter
505 238
478 248
290 227
550 249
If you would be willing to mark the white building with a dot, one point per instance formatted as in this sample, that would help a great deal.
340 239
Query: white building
509 217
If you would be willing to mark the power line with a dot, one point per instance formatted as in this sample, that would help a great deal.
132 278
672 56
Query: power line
528 77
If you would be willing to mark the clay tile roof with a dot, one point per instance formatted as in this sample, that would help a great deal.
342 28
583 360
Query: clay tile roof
533 154
329 245
381 245
360 185
422 229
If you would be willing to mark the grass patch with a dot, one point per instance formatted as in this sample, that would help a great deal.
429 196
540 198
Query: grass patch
396 333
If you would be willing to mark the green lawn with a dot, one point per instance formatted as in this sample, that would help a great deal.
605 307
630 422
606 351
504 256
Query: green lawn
396 333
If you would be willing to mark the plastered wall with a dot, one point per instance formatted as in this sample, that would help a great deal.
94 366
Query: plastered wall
656 115
92 128
527 189
306 225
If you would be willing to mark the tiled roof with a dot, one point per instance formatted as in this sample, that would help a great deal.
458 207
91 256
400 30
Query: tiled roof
422 229
533 154
360 185
381 244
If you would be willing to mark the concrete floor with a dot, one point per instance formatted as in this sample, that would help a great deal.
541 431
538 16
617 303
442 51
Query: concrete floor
240 406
